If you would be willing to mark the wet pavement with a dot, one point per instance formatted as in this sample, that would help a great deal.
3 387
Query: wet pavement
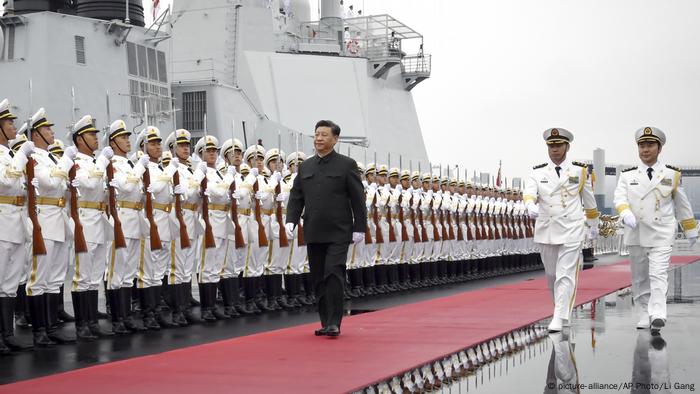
603 352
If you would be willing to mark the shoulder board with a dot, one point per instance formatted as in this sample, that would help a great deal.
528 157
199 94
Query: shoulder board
673 168
629 169
579 164
539 166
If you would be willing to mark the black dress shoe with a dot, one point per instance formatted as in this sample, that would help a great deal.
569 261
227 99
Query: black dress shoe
321 332
656 325
332 331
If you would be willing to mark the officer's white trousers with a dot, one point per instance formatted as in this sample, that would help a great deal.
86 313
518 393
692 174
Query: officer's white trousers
89 267
154 264
213 261
13 263
355 253
234 265
183 263
297 258
561 267
123 263
278 258
650 277
48 272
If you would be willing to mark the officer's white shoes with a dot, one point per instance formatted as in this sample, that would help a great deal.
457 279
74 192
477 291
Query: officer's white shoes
643 322
556 324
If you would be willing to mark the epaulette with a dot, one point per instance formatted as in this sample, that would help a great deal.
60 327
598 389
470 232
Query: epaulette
673 168
539 166
578 163
629 169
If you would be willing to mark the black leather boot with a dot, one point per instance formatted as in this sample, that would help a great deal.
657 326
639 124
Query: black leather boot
271 292
280 295
115 308
163 297
52 326
219 315
291 286
37 310
7 312
368 278
309 287
249 290
82 331
93 322
63 316
228 296
125 297
178 299
21 307
261 301
206 302
148 308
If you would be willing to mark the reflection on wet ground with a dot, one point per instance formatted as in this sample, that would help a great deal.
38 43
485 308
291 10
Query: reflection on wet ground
603 352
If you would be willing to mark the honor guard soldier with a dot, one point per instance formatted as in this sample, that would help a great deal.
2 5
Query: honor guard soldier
369 259
157 256
354 269
185 261
405 234
560 196
123 262
298 267
13 252
651 202
214 255
49 270
89 266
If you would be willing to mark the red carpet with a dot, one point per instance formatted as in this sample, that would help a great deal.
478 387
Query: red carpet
373 346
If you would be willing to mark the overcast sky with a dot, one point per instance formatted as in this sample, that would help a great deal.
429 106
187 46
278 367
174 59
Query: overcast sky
506 70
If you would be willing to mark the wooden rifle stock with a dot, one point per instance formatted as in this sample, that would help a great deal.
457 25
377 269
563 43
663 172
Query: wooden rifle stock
155 237
423 230
284 242
404 232
445 235
300 234
450 229
119 240
262 237
368 233
375 219
184 237
436 233
238 232
79 234
209 241
460 234
392 233
38 246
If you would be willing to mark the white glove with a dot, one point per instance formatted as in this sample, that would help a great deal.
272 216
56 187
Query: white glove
365 184
357 237
174 162
429 195
593 232
75 183
289 229
282 197
206 192
144 160
387 188
231 170
27 148
410 190
149 189
532 210
399 188
113 183
35 183
178 190
107 152
262 195
691 242
628 218
202 168
286 172
71 152
277 176
236 195
254 171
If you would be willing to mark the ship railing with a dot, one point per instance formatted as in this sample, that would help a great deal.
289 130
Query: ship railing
419 64
203 69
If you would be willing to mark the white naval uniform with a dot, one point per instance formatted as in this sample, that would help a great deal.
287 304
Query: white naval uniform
417 245
297 253
387 250
185 262
560 228
48 272
235 260
155 264
369 258
214 259
659 205
429 245
256 256
242 257
123 262
13 215
278 259
406 256
89 267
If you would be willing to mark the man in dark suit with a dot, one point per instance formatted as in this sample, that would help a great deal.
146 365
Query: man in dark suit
329 191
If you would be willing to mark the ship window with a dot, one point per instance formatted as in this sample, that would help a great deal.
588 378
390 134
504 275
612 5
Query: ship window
134 96
164 99
162 73
131 58
10 42
143 61
152 67
80 49
194 106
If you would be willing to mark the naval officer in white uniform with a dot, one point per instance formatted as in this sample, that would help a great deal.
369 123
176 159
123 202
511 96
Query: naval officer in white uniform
651 201
560 195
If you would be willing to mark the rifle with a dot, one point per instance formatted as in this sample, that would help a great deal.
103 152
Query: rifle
119 240
412 218
450 229
262 237
423 230
80 243
184 237
436 233
209 241
445 235
375 219
392 233
460 235
238 233
38 246
368 233
155 237
404 232
284 242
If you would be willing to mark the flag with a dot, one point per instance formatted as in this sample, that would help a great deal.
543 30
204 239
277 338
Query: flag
498 177
156 3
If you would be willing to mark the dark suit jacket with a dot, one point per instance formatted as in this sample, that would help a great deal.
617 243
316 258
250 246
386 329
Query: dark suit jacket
330 193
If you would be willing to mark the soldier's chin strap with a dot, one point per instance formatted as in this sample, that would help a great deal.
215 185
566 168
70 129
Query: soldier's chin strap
33 130
88 145
116 144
